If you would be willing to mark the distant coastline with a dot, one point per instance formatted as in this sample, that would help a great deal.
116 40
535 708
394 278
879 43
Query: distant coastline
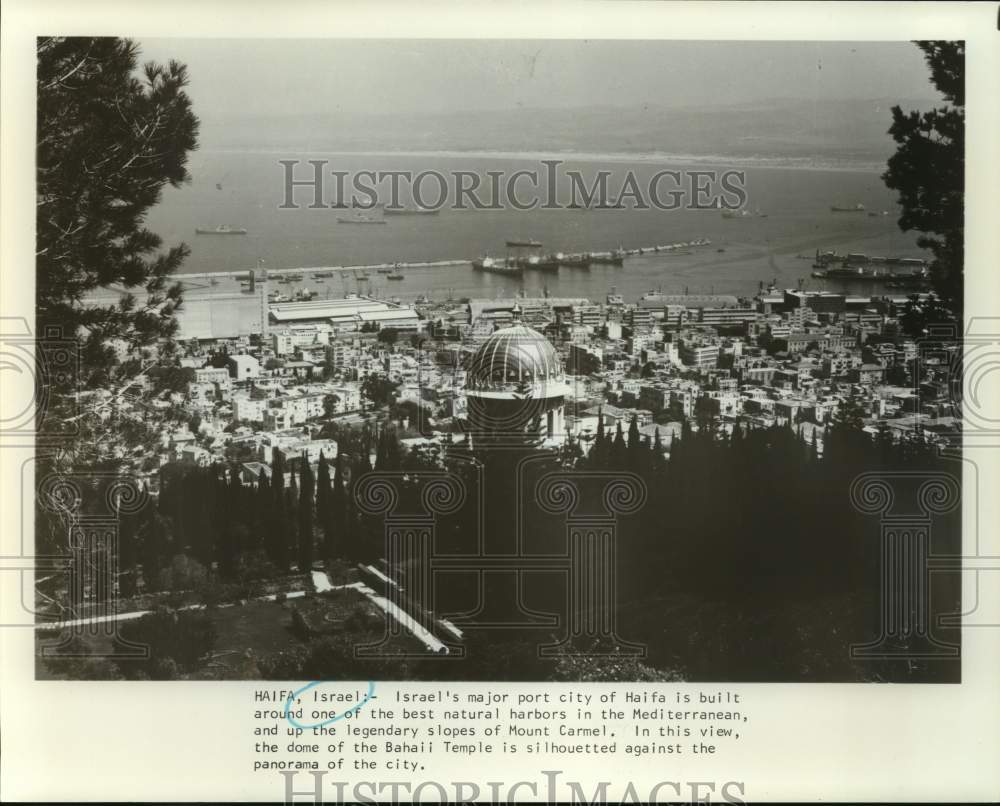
651 157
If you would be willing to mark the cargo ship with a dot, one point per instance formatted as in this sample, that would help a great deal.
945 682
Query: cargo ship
524 244
221 230
394 276
539 262
859 274
496 266
576 261
615 258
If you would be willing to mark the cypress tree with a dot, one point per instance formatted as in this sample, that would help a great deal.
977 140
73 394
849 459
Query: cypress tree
306 492
658 462
338 506
324 514
264 503
365 461
393 452
278 533
635 454
619 450
597 454
291 514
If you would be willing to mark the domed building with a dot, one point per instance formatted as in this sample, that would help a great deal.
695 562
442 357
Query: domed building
515 388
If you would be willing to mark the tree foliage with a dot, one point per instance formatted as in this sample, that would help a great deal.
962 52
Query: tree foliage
110 137
928 170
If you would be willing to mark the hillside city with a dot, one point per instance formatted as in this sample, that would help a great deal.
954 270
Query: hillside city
785 356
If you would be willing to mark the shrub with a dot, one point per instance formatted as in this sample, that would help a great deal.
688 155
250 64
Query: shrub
183 638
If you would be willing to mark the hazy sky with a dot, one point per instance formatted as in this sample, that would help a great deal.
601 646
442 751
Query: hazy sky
237 78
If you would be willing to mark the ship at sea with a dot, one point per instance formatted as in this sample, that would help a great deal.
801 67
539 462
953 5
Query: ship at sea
614 258
860 274
394 276
360 219
497 266
575 261
524 244
221 230
857 208
409 211
539 262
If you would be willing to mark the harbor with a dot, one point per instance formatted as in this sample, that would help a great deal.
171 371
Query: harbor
231 302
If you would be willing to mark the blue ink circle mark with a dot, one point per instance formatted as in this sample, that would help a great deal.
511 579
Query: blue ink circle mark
352 710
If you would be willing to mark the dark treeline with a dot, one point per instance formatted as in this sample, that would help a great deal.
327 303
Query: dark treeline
242 525
756 531
747 561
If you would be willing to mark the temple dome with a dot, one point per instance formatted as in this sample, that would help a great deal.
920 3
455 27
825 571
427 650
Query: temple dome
516 359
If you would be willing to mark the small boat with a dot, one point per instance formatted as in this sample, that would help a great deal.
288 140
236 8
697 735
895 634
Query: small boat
857 208
385 271
222 229
394 276
524 244
409 211
318 275
360 220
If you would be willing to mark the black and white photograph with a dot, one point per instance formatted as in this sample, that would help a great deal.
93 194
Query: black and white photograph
504 360
589 402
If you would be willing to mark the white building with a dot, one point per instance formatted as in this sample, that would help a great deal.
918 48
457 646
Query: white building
248 409
243 367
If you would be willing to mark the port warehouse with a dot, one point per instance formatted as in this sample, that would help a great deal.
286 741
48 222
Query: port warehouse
228 316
